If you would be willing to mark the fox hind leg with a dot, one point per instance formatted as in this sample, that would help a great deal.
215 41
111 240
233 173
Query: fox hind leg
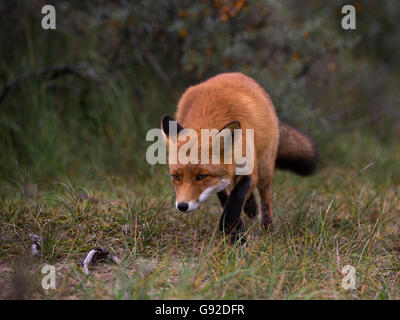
264 188
250 206
266 208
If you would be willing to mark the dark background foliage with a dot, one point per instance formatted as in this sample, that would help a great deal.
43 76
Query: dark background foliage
78 100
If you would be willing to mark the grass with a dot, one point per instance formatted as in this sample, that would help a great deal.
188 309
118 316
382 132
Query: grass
348 213
73 169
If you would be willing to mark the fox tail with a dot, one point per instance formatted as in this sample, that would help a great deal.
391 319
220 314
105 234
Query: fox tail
296 151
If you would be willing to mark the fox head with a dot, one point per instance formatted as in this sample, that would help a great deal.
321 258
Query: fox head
195 182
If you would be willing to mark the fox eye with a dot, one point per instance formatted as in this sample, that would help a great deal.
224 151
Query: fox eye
175 177
200 177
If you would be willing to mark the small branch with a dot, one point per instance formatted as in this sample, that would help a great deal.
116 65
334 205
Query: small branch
95 255
156 65
49 72
37 243
363 121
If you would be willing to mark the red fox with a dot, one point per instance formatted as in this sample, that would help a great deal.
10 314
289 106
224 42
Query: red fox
233 100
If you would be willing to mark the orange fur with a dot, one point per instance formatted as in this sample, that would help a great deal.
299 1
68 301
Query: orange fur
215 103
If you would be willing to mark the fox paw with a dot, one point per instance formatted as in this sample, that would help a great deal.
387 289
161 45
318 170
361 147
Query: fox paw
238 238
266 226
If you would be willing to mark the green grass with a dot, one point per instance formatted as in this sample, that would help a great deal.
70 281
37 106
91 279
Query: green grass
348 213
73 168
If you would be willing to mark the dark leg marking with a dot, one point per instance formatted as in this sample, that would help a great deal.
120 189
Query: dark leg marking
230 217
223 197
237 234
266 220
250 207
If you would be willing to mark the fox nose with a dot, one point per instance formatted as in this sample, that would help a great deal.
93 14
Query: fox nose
182 206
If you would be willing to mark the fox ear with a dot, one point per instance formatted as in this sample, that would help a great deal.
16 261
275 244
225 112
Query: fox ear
232 125
165 122
227 132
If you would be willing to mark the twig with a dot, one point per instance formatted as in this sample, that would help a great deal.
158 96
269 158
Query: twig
50 72
36 246
96 254
156 65
362 121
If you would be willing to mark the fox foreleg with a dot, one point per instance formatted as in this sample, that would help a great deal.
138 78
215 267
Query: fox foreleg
230 221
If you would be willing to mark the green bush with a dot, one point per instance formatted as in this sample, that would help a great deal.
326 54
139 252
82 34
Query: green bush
87 92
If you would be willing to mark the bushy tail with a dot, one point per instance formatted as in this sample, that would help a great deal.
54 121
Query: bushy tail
296 151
